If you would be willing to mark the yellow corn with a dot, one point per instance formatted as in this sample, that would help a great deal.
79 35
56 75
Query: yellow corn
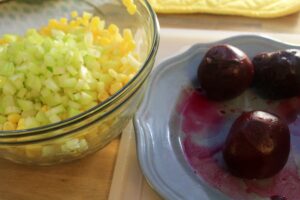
45 108
64 20
14 118
33 151
131 7
74 14
113 29
103 96
8 126
115 87
21 124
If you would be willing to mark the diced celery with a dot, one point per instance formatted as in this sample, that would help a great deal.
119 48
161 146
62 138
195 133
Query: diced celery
59 70
2 119
73 112
31 122
7 69
85 98
29 113
72 70
58 34
55 110
71 146
51 73
42 118
12 109
50 84
54 118
37 106
49 60
82 85
2 81
9 89
66 82
25 105
2 109
50 150
17 80
133 61
33 82
7 100
83 145
88 38
34 68
73 104
10 37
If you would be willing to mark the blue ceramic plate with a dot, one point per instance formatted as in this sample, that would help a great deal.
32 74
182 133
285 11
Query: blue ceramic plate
161 132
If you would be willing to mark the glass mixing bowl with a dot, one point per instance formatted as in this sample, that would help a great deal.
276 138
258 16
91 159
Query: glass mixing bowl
91 130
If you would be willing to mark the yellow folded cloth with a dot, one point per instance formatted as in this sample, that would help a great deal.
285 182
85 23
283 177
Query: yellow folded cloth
250 8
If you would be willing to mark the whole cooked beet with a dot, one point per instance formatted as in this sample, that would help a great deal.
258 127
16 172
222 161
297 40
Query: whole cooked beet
225 72
257 146
277 74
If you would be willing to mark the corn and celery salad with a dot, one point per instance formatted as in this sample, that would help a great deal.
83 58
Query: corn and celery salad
63 69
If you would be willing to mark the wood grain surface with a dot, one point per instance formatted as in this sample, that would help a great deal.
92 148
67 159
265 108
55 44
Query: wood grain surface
86 179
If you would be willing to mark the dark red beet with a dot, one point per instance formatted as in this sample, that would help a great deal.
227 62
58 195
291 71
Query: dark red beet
277 74
276 197
225 72
257 146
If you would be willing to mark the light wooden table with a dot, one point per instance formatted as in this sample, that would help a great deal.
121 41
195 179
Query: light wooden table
86 179
90 178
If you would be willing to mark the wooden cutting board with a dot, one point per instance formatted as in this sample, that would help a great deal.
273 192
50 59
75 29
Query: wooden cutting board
86 179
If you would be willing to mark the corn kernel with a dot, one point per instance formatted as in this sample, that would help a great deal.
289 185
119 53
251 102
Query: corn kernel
92 136
53 23
104 41
85 22
100 86
74 14
131 76
45 108
33 151
103 96
113 73
21 124
64 20
122 78
132 9
19 151
14 118
113 29
127 34
87 15
63 116
8 126
115 87
2 41
95 22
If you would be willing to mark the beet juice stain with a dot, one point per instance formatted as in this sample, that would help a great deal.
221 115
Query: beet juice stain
201 117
